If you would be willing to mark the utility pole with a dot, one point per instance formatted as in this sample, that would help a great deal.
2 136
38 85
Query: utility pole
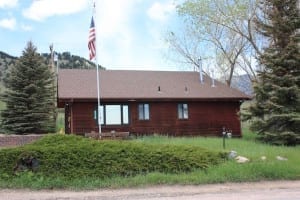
51 57
52 68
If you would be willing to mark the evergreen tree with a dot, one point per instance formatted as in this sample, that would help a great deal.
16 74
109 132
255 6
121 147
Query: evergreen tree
276 111
29 96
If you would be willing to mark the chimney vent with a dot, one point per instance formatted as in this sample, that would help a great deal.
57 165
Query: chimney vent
213 78
200 70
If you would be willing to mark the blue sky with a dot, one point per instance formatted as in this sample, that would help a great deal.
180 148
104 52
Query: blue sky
130 33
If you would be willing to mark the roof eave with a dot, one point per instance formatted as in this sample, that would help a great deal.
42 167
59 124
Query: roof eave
127 99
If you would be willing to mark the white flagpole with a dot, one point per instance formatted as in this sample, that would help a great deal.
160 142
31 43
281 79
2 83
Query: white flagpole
98 77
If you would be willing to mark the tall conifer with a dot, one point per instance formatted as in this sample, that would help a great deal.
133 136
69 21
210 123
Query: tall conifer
276 111
29 96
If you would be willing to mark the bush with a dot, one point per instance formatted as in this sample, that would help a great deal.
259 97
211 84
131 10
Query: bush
68 156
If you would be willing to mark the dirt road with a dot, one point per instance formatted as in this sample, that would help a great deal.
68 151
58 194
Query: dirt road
278 190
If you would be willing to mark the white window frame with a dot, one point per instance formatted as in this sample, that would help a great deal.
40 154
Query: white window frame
144 111
183 111
123 111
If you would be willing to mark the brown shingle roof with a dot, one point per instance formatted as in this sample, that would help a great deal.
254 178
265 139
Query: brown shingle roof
126 84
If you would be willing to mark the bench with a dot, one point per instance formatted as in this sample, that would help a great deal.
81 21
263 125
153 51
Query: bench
108 135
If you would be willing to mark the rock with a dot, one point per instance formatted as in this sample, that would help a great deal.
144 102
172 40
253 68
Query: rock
281 158
232 154
35 164
241 159
263 158
27 163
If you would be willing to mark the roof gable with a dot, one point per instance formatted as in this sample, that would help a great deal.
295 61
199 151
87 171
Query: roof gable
127 84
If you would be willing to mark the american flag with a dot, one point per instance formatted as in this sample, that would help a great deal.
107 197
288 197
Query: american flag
92 40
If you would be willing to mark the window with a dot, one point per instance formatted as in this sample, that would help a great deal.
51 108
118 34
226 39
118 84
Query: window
125 114
113 114
144 112
101 115
183 111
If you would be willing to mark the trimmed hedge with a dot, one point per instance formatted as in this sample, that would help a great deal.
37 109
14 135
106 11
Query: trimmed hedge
69 156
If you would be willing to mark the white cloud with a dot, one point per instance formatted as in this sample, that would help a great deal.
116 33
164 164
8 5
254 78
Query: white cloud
114 31
26 27
8 3
113 16
160 14
42 9
8 23
161 11
127 38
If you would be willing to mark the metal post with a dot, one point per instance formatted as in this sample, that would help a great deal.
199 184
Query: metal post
98 76
224 136
224 141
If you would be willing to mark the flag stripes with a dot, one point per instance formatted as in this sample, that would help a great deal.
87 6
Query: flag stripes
92 40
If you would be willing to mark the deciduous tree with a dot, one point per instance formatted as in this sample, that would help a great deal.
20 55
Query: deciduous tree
221 32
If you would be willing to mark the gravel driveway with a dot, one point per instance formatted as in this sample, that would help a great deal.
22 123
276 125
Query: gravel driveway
277 190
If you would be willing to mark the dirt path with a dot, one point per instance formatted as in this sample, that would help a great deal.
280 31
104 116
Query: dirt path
278 190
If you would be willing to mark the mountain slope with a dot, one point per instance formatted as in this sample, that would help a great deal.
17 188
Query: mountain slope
242 83
65 61
6 61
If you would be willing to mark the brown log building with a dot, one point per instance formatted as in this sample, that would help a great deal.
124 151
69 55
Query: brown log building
148 102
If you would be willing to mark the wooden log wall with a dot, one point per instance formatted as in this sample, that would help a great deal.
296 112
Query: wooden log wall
205 119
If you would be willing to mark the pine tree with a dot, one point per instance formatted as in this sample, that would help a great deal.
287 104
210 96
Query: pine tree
276 111
29 96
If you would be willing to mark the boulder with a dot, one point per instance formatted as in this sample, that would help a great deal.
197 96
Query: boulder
241 159
232 154
263 158
281 158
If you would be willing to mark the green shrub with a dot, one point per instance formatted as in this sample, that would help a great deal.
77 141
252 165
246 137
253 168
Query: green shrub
70 157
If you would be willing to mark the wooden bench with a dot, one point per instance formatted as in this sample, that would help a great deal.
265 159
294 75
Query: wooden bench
114 135
107 135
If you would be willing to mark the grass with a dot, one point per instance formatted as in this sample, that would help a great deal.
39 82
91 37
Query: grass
230 171
69 158
60 120
257 169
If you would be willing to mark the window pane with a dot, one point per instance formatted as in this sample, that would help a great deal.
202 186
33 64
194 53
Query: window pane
180 114
113 114
101 115
146 111
125 114
141 111
95 114
185 111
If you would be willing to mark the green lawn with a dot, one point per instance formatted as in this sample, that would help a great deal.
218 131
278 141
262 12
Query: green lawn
229 171
257 169
60 121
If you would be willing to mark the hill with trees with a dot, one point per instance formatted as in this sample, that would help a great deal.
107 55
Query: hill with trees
65 61
6 62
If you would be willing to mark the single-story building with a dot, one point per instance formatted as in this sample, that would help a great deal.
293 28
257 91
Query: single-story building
148 102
